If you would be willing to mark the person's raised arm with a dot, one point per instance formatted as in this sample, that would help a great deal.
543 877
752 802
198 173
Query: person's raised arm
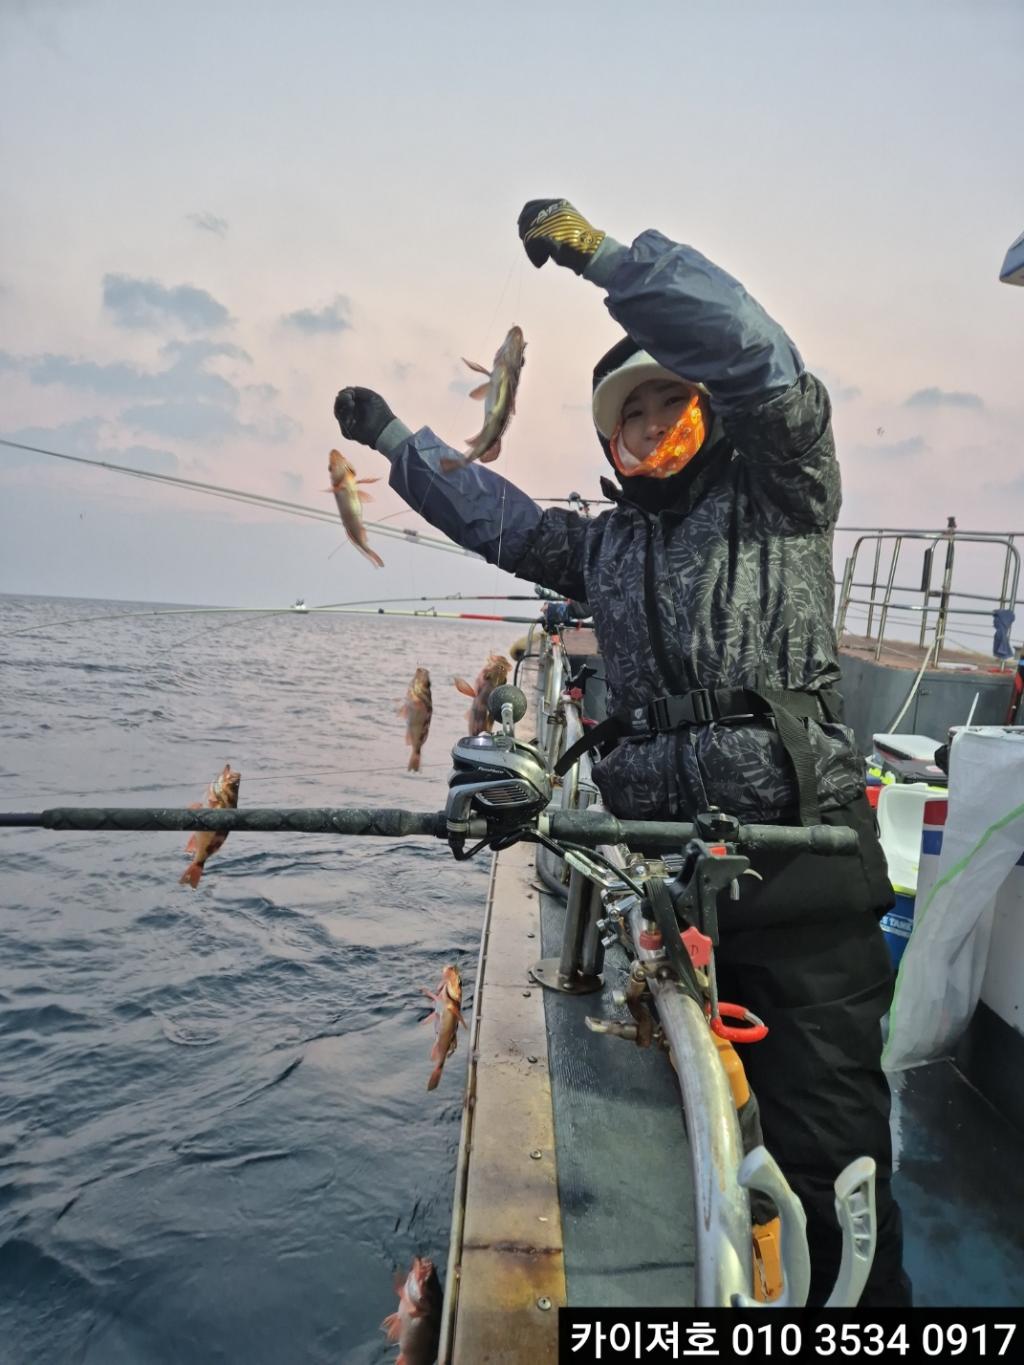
701 324
473 506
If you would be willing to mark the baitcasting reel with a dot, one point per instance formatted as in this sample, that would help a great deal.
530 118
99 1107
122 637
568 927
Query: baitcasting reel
502 779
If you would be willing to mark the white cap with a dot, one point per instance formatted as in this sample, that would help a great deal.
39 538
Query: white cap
613 390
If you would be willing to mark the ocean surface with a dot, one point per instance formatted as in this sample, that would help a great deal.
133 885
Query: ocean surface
216 1142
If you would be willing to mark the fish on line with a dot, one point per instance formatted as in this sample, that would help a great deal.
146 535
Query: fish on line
350 498
221 795
418 709
493 674
499 395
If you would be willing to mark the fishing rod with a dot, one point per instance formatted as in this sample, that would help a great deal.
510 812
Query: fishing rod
430 614
297 608
447 597
590 828
214 490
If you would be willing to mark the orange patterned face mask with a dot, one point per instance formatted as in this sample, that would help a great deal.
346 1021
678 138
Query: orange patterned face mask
674 451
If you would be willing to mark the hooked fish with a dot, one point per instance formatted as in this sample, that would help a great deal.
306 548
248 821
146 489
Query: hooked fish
350 499
447 1018
222 795
493 674
417 710
416 1325
499 395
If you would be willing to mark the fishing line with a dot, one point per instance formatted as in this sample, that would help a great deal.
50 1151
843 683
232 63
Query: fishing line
504 486
294 609
490 325
136 615
402 512
240 495
497 306
501 529
427 613
228 625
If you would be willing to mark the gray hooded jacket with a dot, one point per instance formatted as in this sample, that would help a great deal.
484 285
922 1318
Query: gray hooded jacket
731 586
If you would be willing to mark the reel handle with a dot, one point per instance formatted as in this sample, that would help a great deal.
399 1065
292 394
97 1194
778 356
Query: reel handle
507 695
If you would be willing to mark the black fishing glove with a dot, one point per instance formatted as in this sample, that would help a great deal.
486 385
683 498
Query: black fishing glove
362 415
552 230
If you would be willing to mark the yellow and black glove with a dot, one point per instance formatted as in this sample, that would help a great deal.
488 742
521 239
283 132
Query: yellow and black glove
552 230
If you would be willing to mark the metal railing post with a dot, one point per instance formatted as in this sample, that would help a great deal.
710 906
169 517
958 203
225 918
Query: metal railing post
884 614
845 590
874 585
926 592
947 578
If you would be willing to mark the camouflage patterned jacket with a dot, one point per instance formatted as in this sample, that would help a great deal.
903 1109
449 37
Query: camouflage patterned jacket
731 587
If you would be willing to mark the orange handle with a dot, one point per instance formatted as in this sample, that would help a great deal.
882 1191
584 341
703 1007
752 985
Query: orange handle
753 1029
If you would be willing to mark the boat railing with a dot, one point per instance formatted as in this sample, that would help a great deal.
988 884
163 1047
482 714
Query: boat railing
937 602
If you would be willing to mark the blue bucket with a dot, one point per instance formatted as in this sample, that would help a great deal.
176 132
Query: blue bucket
897 926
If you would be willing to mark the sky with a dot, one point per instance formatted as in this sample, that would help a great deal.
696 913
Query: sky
212 217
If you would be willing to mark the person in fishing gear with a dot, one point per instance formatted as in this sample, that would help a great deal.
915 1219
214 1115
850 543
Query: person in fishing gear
711 586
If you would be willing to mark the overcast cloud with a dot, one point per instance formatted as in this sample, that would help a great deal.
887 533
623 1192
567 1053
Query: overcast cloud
150 305
333 317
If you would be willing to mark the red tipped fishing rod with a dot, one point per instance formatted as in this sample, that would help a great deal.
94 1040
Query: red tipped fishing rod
429 614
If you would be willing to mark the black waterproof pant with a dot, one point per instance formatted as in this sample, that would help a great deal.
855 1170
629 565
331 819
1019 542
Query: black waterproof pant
804 951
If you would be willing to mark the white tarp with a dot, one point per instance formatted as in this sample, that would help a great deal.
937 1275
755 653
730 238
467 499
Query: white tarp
941 972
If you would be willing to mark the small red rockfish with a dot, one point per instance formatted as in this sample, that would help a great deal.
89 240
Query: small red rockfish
418 708
447 1018
416 1326
493 674
350 501
499 395
222 795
